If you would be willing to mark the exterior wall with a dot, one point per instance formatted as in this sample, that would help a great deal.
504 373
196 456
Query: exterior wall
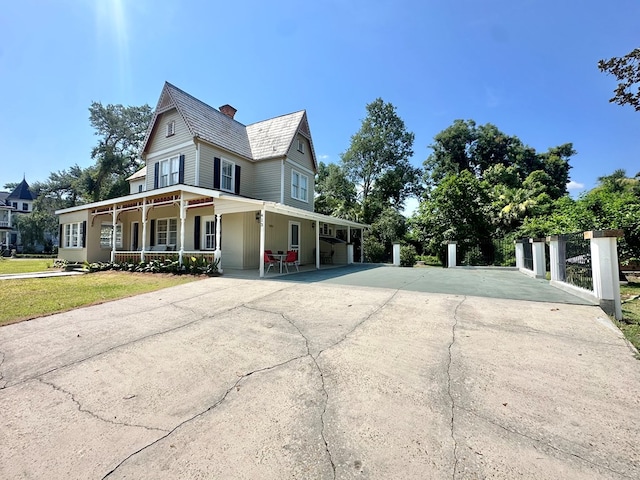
303 163
232 240
134 185
74 254
189 153
247 172
267 180
159 139
251 240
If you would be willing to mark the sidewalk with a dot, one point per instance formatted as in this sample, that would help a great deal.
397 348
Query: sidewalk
57 273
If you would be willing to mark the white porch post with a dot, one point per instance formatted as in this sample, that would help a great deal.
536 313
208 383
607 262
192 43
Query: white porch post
262 222
217 255
605 269
144 229
317 229
183 215
114 218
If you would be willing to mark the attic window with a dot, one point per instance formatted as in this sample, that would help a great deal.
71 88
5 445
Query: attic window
171 128
300 146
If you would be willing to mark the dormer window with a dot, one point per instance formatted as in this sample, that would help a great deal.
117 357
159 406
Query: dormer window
300 146
171 128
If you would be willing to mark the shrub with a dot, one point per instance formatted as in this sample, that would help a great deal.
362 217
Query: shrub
373 250
407 256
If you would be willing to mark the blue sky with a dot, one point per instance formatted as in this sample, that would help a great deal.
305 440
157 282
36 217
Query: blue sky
527 66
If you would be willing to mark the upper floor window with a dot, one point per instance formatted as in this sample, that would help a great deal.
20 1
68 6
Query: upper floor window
15 204
106 239
171 128
25 207
169 171
300 146
226 175
299 186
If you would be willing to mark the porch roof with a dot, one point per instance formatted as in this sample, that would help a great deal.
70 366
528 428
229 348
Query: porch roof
224 203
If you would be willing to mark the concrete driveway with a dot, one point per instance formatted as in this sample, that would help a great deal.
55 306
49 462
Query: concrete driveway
231 378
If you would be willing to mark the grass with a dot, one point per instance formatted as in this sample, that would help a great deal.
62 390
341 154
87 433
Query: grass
630 324
24 265
36 297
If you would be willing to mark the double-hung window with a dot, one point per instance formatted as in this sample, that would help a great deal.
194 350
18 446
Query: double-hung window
72 235
106 238
169 171
299 186
167 231
209 233
226 175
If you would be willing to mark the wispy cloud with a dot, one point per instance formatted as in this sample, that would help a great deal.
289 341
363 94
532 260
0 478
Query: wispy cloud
323 157
571 185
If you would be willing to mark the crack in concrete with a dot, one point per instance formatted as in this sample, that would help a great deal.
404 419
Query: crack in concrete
543 443
95 415
453 403
209 409
1 374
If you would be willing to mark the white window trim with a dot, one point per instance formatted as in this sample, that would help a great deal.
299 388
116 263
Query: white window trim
300 176
233 175
157 232
119 241
170 172
171 128
203 227
68 235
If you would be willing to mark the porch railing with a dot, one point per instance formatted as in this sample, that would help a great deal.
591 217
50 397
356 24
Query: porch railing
134 256
4 224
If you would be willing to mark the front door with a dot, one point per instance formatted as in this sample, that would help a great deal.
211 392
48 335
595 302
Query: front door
294 237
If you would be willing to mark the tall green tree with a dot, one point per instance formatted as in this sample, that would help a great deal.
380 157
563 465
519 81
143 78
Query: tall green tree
626 69
121 130
382 145
335 193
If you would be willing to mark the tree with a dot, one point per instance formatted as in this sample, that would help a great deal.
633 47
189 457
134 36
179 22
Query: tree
117 155
335 193
382 145
626 69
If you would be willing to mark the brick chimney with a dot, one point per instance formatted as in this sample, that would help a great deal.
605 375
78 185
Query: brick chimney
228 110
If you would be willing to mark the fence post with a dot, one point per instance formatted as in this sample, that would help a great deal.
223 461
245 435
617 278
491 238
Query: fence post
396 254
519 254
452 246
539 261
605 270
557 257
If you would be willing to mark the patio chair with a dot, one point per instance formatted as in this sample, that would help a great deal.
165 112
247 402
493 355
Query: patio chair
291 259
268 260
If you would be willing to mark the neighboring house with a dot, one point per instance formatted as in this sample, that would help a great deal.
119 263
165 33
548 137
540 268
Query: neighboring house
212 187
18 202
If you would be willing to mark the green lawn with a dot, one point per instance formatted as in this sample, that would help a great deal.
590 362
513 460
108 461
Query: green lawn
36 297
24 265
630 324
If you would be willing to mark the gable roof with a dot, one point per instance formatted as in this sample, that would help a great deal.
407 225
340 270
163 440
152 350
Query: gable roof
142 173
258 141
21 192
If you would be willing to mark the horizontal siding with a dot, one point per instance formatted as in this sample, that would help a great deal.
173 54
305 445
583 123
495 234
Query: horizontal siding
302 159
308 205
267 180
159 139
247 173
189 165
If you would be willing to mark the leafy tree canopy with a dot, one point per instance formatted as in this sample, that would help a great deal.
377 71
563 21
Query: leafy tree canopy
626 69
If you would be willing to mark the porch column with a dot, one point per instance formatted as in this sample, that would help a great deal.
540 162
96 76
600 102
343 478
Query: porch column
217 255
114 219
144 229
262 222
183 215
317 229
605 269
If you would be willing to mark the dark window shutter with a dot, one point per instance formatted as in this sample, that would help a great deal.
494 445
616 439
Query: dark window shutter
237 190
216 173
152 238
181 171
84 234
60 238
156 176
135 236
196 232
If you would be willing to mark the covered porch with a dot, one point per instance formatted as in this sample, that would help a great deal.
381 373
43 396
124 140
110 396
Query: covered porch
190 222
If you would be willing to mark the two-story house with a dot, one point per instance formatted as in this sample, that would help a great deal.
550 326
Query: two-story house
212 187
12 204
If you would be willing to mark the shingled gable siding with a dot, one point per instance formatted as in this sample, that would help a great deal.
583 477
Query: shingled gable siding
267 180
208 153
303 160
